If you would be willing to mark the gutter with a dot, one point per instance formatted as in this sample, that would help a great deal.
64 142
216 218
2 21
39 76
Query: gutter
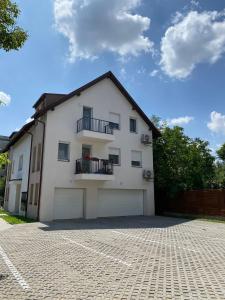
41 170
28 182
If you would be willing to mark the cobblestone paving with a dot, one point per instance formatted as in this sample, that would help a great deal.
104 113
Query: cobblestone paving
121 258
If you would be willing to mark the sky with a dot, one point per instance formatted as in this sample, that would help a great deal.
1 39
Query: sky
169 55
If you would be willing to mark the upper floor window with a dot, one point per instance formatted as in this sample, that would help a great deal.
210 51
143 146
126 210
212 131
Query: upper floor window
39 157
20 166
133 125
136 158
34 159
12 168
114 121
114 156
63 151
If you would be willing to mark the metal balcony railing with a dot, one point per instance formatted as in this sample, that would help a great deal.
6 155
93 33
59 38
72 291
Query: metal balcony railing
95 125
93 166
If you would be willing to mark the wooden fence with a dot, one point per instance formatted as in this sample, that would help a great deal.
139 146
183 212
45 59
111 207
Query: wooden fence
203 202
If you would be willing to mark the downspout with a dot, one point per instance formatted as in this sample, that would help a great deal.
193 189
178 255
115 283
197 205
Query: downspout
28 182
41 170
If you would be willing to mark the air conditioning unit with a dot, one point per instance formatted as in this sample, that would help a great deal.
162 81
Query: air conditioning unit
147 174
146 139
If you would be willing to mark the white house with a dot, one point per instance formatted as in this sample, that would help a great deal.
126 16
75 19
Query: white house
87 154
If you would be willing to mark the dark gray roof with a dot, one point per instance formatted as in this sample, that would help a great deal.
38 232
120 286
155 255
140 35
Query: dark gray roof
3 141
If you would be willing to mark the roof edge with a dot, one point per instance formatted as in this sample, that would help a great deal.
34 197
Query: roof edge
18 136
110 75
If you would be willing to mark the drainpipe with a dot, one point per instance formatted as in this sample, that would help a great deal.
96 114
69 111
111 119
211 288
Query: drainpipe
28 182
41 170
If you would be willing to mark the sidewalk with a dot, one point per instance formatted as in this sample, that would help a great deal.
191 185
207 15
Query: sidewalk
4 225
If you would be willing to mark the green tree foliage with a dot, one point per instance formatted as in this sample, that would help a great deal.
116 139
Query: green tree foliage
3 159
11 35
181 163
221 153
219 175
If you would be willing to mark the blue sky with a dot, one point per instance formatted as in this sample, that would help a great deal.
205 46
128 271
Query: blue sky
169 54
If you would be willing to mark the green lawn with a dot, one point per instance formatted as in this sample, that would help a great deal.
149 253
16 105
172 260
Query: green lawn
216 219
5 215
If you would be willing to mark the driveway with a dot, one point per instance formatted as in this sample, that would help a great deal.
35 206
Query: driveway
119 258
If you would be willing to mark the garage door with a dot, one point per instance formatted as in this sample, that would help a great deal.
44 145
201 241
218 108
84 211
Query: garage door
112 203
68 204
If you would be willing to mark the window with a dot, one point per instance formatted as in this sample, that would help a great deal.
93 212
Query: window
114 121
23 201
63 151
31 194
133 125
20 166
114 156
39 157
36 193
11 170
7 194
136 158
34 159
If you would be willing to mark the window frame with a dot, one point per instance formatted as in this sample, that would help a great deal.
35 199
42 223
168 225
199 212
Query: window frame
36 193
39 155
20 163
34 156
133 166
111 123
31 194
64 160
119 156
132 118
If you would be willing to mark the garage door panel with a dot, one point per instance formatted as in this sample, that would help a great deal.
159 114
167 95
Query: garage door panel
113 203
68 203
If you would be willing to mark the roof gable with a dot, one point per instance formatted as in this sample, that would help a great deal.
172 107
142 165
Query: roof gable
111 76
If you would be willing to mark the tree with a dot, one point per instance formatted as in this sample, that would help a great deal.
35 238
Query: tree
221 153
3 159
181 163
12 37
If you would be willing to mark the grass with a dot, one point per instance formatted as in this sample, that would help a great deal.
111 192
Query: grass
215 219
11 219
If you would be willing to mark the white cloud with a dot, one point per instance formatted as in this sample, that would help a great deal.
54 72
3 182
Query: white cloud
4 98
195 3
179 121
28 120
194 38
141 71
217 122
95 26
154 73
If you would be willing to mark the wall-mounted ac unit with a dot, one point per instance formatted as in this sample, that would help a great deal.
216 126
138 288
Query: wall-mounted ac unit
147 174
146 139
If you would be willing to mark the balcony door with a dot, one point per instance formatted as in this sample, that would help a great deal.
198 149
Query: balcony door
86 155
87 117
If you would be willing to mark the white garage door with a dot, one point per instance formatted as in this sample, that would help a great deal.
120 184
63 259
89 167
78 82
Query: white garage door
112 203
68 204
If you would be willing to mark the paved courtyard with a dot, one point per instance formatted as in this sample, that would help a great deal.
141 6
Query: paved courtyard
121 258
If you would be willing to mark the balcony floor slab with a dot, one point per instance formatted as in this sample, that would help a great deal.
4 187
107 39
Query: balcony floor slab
86 135
100 177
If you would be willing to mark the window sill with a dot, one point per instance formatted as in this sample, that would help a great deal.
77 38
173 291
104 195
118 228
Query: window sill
136 167
62 160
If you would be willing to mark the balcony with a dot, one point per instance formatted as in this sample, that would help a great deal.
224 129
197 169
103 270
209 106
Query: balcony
95 130
94 169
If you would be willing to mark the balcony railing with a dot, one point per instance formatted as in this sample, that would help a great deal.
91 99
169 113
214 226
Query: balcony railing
95 125
94 166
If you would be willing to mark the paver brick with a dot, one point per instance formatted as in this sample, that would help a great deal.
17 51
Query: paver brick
118 258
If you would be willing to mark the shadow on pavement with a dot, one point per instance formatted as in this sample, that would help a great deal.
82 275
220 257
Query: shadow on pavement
113 223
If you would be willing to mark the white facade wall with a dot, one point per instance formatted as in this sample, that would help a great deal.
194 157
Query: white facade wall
104 98
22 147
37 132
